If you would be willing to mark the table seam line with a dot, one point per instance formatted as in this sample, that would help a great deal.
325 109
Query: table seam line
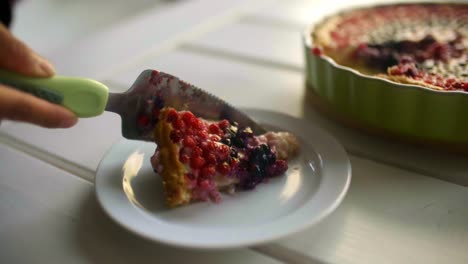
47 157
271 22
284 254
416 170
237 57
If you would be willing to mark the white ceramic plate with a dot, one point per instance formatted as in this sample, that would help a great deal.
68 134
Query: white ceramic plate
315 184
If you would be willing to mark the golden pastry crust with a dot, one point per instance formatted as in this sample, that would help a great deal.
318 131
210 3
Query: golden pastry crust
172 170
405 80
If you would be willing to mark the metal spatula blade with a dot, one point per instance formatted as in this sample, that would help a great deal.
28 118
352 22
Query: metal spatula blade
152 89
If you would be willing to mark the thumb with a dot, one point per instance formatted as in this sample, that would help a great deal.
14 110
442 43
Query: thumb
15 56
19 106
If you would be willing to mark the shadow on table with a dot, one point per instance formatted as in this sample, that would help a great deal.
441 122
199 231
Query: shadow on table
103 241
385 148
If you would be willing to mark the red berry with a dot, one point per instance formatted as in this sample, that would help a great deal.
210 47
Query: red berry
361 46
215 138
197 162
202 134
234 163
223 152
429 81
224 168
208 146
190 131
188 117
208 171
178 124
175 136
223 124
189 141
278 168
395 71
143 121
214 129
197 124
204 184
465 86
457 85
197 151
190 176
317 51
172 115
211 158
184 158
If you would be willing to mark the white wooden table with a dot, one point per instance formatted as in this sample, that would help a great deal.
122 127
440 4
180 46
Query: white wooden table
405 204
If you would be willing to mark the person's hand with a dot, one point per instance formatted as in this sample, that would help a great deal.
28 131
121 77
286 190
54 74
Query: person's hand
16 57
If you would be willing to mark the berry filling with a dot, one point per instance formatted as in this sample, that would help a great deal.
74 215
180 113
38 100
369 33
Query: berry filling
217 155
412 43
425 60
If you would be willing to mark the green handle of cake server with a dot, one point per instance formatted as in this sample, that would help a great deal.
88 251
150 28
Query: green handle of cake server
84 97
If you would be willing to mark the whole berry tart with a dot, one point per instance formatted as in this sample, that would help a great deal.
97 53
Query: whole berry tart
197 159
422 44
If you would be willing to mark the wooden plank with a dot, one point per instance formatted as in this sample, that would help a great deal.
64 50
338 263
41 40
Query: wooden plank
256 42
390 216
98 55
47 26
83 145
50 216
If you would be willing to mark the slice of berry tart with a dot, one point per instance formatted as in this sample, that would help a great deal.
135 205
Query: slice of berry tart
197 159
422 44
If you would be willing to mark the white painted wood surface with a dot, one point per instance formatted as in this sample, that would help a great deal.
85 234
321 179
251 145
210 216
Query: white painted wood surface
396 210
274 44
391 216
149 32
47 25
50 216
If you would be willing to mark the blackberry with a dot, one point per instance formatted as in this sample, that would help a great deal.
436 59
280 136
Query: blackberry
234 153
262 155
241 137
226 141
238 142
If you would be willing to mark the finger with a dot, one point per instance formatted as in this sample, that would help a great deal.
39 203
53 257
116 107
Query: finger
15 56
19 106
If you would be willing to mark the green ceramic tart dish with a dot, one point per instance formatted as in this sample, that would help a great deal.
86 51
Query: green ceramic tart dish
397 70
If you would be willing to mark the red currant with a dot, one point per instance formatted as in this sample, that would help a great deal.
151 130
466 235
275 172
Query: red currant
214 129
189 141
211 158
215 138
184 158
224 168
178 124
175 136
197 124
172 115
317 51
202 134
208 171
223 152
197 151
223 124
197 162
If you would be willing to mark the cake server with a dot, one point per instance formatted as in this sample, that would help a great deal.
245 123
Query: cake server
137 106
